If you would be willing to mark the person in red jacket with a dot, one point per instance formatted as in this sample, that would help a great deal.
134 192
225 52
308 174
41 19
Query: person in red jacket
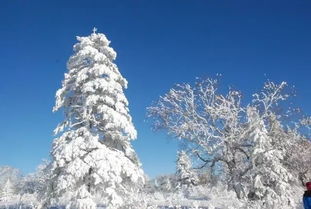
307 196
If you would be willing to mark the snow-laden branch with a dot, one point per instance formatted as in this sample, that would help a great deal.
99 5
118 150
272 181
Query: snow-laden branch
219 129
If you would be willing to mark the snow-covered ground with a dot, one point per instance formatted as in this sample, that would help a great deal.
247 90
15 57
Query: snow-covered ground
199 197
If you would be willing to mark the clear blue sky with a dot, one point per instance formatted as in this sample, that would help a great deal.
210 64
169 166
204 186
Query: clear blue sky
159 43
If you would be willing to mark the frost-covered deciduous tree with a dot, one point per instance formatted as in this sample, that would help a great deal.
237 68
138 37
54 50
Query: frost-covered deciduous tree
249 144
93 154
35 183
184 171
298 159
212 122
33 187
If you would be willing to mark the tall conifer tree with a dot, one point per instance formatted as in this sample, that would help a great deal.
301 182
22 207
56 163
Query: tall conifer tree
93 155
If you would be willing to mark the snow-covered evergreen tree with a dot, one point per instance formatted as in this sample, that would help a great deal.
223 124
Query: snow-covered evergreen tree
185 175
7 190
295 145
93 154
7 172
270 180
